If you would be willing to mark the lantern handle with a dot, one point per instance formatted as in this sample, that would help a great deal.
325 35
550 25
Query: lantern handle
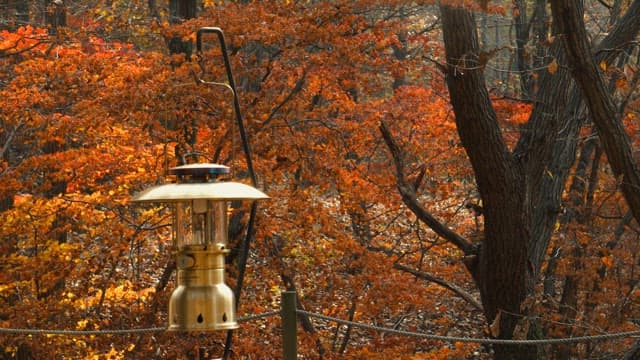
192 154
236 102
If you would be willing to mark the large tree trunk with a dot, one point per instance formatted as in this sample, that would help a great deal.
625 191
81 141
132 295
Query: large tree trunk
503 272
56 15
22 13
180 10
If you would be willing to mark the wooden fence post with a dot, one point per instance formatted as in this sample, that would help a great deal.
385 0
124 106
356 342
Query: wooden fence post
289 325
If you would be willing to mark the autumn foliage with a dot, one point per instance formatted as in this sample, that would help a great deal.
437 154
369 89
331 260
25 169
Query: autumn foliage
89 117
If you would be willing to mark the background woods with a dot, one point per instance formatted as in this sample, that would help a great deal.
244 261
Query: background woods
457 170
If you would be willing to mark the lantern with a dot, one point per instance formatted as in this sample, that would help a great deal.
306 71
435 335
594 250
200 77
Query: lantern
200 199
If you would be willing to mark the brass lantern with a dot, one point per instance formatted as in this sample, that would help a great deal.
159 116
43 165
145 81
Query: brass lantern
200 199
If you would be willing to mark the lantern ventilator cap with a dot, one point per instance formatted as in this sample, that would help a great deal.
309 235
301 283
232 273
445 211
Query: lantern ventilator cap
199 186
200 170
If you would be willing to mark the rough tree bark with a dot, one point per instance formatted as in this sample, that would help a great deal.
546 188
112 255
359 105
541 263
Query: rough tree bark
502 271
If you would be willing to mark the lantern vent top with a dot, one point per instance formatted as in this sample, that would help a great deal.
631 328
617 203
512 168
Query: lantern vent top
199 172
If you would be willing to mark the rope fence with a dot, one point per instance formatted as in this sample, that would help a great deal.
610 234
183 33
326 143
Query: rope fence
289 312
576 339
80 332
115 331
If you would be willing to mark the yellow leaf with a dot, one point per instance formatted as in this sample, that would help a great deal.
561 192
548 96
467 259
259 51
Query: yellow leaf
603 65
552 68
81 324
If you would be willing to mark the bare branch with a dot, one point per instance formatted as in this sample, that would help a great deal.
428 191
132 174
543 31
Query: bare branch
11 50
446 284
410 198
608 6
9 139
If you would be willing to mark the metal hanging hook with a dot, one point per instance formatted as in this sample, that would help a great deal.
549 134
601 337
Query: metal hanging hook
231 84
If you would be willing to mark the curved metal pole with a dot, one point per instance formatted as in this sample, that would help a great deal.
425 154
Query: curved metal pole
244 254
236 101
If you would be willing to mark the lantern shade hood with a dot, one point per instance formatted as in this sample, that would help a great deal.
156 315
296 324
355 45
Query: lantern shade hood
189 191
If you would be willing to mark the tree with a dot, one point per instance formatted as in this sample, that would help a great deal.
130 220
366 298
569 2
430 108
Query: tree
520 188
607 118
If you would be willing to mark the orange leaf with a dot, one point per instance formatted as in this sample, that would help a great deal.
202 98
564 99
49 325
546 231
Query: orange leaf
552 68
607 261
